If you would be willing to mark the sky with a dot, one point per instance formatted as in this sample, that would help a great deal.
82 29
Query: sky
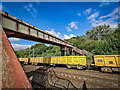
62 19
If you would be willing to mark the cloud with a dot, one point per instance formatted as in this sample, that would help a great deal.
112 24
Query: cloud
14 39
68 36
111 14
88 11
73 25
57 34
18 47
68 29
79 14
111 19
104 4
31 9
93 16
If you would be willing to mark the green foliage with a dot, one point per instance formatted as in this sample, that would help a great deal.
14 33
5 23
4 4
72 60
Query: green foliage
40 50
100 40
89 59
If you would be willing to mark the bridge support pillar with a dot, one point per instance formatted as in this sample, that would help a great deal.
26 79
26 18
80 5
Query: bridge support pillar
71 52
63 50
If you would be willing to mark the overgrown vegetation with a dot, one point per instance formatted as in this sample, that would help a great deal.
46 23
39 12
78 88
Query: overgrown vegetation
100 40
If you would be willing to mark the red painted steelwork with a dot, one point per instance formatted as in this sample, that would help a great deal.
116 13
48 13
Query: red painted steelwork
29 30
77 51
17 26
11 33
13 75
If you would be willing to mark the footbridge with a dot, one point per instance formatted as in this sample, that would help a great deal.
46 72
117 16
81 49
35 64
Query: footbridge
15 27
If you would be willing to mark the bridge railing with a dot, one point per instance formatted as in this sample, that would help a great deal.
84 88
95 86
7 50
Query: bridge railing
82 51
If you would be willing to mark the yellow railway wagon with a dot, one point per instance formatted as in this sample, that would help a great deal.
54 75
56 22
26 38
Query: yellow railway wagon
32 60
40 59
53 60
36 60
46 60
69 61
24 60
76 61
58 60
107 63
63 59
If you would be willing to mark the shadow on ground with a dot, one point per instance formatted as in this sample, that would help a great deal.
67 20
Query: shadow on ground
45 77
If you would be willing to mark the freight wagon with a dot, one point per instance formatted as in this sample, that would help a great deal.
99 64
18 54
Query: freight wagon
78 62
36 60
24 60
107 63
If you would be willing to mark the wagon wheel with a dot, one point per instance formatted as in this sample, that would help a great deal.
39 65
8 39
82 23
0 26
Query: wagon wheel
69 66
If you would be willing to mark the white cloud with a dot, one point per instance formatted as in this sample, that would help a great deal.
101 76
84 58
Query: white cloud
100 21
18 47
68 36
88 11
73 25
31 9
14 39
111 14
30 5
79 14
95 15
104 4
57 34
68 29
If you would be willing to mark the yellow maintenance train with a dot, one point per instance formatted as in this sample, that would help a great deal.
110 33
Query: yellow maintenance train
106 63
70 61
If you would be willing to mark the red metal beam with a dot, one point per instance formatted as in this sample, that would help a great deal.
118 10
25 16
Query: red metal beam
13 75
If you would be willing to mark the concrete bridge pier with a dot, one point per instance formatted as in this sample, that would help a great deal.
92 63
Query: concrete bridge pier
63 50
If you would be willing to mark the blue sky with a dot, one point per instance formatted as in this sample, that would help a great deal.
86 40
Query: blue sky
63 19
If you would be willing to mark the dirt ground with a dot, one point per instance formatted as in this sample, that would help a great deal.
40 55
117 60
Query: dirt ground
61 77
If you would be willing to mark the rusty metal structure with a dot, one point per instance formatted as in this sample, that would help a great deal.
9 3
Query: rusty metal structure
13 75
14 27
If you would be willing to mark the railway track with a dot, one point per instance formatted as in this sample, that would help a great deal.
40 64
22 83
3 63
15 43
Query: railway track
92 73
89 79
79 78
